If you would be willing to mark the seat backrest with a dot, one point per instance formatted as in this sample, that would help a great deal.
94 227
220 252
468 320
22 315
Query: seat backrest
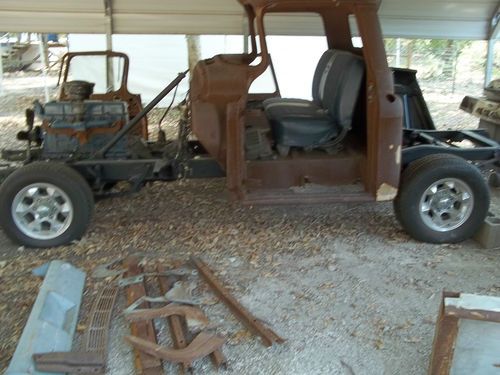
319 73
337 88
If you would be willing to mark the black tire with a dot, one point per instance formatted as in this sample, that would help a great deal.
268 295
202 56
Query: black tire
64 178
419 176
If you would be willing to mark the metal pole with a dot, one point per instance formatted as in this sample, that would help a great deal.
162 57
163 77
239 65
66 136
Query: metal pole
245 35
398 52
1 70
132 123
489 61
43 56
108 9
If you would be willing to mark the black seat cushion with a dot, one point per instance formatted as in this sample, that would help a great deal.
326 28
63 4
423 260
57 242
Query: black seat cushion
277 108
336 85
305 131
299 123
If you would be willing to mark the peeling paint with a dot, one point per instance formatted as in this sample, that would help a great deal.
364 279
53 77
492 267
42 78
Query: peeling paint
386 192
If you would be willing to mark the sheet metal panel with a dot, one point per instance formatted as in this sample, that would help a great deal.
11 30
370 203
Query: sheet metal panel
434 29
460 19
178 24
220 7
53 318
43 22
66 6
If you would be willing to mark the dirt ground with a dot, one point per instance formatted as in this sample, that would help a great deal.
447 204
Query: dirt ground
346 287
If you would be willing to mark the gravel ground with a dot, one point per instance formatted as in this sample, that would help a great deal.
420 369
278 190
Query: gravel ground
347 288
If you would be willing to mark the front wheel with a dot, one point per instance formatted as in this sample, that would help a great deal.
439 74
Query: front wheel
45 204
442 199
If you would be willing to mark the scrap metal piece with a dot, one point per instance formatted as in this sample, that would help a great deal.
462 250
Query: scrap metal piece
96 340
133 307
177 324
193 315
126 281
177 272
201 346
68 362
53 318
219 359
467 335
244 316
473 307
182 292
41 271
106 270
144 363
116 267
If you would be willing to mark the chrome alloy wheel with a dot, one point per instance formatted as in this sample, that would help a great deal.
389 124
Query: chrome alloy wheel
446 204
42 211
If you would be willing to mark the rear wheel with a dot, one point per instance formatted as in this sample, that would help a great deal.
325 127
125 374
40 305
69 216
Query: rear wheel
45 205
442 199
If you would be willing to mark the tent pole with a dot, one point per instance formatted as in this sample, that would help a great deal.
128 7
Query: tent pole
45 64
494 34
245 35
108 9
1 71
489 62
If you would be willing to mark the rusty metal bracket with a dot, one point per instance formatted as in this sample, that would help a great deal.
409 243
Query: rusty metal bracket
126 281
244 316
193 315
467 335
68 362
201 346
144 363
177 324
139 301
182 292
114 268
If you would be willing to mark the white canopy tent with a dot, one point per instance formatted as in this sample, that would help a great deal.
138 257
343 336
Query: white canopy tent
444 19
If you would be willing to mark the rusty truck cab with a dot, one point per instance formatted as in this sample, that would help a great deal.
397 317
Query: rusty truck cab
366 163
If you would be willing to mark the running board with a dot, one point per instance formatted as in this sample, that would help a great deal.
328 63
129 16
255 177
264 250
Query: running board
303 195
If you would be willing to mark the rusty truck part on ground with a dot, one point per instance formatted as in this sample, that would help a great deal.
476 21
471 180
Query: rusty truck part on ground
200 347
144 363
70 362
53 319
188 312
467 335
244 316
93 359
96 339
177 324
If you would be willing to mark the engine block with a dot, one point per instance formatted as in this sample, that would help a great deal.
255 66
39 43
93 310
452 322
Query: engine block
81 127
